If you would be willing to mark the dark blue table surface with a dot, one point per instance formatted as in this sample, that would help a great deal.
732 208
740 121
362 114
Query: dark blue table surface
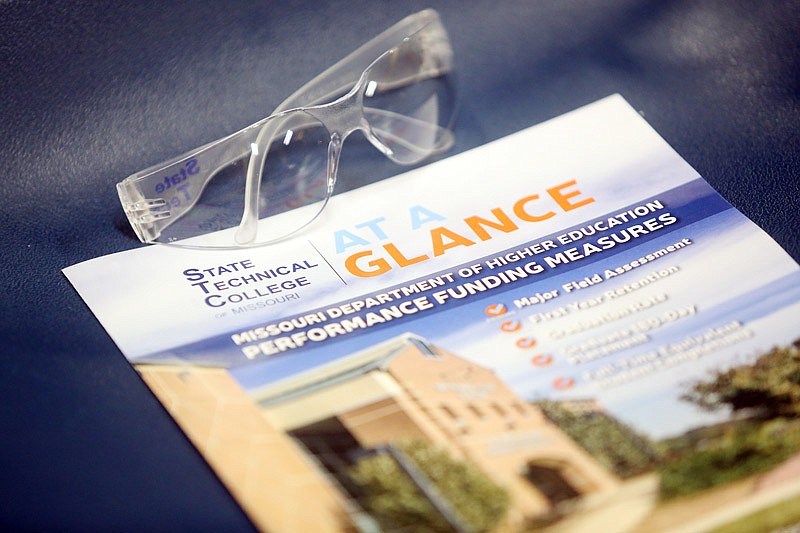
92 93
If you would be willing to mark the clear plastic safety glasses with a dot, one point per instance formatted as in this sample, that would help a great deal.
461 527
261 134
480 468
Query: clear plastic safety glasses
274 177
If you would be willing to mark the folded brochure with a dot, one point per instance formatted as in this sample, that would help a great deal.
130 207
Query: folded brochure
565 329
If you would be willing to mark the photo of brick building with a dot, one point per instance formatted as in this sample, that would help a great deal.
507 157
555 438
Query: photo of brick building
284 449
406 387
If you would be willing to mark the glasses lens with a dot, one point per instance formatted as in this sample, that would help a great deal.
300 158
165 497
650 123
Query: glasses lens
409 102
292 150
294 183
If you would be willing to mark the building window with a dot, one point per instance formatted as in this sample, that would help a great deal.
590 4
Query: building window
426 348
499 410
452 414
460 425
477 412
520 409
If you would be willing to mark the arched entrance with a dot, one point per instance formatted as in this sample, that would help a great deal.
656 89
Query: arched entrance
550 482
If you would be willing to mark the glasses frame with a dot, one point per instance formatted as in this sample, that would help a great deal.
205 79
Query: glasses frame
150 216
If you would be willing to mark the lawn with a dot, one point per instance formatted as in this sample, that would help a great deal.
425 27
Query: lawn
783 514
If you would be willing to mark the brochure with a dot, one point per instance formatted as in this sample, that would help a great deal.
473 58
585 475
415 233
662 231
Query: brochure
566 329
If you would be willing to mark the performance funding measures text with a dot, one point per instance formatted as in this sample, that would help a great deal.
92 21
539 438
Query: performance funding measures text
318 326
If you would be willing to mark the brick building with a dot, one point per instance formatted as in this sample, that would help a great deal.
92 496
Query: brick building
407 388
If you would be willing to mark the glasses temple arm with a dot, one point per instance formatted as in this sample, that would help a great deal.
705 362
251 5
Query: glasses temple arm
341 76
332 82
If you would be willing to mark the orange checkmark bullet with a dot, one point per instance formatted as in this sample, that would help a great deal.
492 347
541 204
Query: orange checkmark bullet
541 359
526 342
495 310
562 383
511 326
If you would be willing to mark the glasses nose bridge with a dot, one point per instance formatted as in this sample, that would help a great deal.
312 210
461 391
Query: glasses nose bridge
343 116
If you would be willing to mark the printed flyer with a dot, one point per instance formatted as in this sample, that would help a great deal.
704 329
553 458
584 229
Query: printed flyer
563 330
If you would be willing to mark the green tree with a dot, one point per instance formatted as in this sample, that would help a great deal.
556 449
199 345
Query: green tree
615 445
769 388
768 391
395 501
747 448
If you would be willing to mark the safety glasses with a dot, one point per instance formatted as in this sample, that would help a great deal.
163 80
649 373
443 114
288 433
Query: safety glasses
273 178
